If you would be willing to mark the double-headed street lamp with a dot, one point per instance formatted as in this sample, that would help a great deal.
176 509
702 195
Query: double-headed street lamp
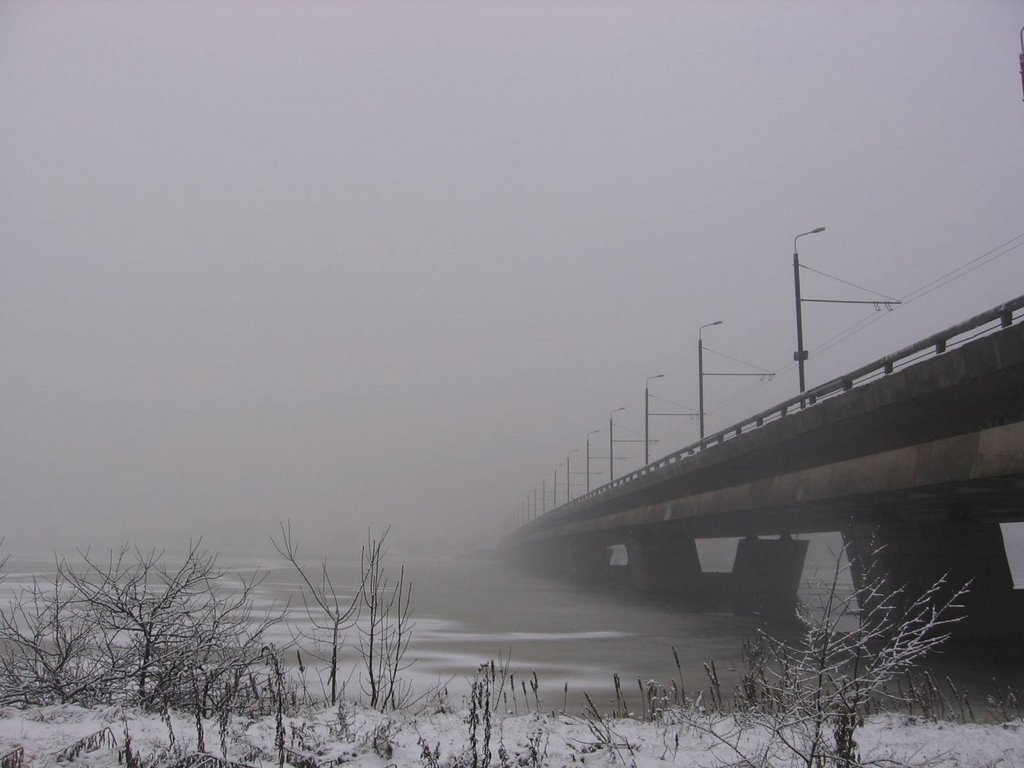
700 373
801 354
647 418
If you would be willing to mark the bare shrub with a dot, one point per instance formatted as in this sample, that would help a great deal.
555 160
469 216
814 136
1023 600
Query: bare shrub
90 743
329 613
13 759
50 651
132 629
175 632
485 696
604 734
803 700
385 628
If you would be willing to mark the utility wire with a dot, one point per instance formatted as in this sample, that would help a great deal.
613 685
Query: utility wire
933 285
743 393
847 282
966 268
673 402
962 271
627 429
736 360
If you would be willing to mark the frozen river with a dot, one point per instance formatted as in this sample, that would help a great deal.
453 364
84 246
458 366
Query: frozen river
573 637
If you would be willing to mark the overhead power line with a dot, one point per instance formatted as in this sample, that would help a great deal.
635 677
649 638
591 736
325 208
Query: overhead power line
847 282
969 266
735 360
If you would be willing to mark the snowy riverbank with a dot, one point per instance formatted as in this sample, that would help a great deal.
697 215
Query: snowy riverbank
357 736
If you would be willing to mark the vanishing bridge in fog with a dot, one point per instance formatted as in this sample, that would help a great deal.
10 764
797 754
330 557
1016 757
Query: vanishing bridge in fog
921 452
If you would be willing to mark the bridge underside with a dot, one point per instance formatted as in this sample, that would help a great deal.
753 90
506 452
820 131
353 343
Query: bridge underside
899 553
914 516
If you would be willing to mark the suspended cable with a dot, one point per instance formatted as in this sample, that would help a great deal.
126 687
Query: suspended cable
742 394
736 360
626 429
673 402
847 282
968 268
912 295
962 271
933 285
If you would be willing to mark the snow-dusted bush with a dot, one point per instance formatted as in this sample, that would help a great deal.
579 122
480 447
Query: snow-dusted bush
803 700
380 611
329 613
133 628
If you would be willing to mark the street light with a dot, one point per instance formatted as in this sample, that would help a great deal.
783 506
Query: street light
801 354
568 475
647 418
700 373
592 432
1022 59
611 444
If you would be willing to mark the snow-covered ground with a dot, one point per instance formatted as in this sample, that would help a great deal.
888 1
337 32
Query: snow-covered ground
361 737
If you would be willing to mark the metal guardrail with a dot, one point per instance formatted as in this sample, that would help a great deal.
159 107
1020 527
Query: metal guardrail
995 319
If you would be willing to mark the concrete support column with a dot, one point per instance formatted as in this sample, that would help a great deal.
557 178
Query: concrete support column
914 553
663 562
542 557
766 576
590 560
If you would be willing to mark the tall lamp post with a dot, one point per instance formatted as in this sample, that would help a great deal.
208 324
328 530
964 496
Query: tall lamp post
611 444
647 418
801 354
700 373
568 476
592 432
1022 59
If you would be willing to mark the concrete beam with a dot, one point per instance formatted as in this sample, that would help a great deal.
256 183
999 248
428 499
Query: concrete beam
979 456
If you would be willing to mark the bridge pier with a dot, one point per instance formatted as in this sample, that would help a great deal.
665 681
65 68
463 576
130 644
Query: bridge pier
586 559
535 557
663 562
766 575
590 560
914 553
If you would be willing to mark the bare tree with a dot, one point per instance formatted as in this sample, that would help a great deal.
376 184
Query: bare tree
162 624
385 628
48 648
130 629
327 611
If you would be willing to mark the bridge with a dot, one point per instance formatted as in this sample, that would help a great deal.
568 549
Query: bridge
915 458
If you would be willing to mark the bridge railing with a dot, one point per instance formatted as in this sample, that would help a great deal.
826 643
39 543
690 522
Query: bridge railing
995 319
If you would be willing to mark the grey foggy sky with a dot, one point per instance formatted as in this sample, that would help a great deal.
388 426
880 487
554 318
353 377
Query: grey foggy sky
367 263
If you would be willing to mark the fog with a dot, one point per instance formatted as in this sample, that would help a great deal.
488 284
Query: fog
358 264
